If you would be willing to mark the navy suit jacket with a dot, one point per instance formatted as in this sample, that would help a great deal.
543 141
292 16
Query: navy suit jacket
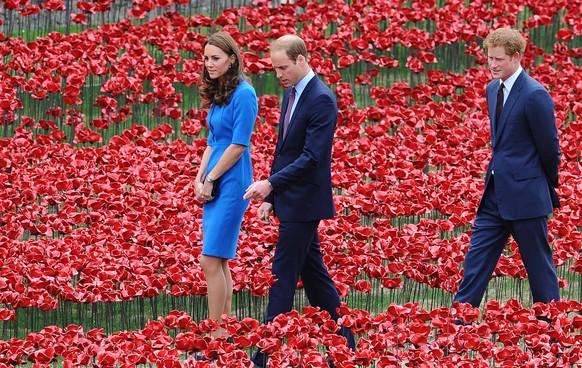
301 170
526 150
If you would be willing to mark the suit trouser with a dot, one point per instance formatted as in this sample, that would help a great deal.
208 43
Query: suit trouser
297 254
490 235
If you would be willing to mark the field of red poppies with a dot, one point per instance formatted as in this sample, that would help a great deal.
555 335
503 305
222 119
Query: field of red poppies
102 133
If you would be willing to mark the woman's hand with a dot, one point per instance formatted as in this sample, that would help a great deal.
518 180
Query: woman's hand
203 190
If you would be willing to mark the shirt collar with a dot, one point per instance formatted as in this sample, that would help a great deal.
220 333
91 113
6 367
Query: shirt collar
509 82
300 86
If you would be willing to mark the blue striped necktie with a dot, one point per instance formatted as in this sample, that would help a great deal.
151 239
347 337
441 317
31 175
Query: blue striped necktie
288 111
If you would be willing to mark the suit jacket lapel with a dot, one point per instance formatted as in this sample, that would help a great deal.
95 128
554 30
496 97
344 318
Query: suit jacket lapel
511 100
302 98
491 103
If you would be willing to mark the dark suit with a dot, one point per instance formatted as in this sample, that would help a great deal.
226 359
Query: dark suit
519 192
301 197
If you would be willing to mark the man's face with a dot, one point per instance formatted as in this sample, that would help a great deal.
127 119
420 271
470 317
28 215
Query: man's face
289 72
501 65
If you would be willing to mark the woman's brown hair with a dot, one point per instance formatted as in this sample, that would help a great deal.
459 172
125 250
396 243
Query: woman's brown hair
218 91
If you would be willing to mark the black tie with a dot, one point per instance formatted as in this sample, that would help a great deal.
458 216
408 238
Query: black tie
499 106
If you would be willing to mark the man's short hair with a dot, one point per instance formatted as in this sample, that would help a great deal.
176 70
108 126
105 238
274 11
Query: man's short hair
510 39
293 46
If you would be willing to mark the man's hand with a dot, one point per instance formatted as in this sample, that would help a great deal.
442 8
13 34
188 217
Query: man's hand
258 190
264 212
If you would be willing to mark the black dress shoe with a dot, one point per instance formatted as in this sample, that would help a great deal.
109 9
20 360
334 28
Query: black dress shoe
259 359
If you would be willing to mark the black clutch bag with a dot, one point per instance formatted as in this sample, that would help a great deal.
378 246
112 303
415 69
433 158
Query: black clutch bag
215 188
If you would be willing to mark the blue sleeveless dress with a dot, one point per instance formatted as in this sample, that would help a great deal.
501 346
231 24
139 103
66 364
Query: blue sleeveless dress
222 217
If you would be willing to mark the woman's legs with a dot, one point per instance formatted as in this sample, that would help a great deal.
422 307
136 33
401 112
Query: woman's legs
227 309
219 288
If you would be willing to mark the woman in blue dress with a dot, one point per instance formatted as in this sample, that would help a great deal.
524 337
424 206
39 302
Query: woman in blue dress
226 163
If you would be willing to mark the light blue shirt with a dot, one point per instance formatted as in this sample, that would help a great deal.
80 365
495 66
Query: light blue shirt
299 88
509 82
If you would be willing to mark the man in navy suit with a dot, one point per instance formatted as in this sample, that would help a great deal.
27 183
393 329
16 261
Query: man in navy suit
299 189
521 177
